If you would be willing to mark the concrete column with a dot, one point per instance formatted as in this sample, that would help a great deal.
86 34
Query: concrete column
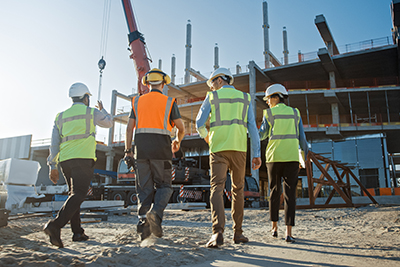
332 79
252 91
238 68
109 164
112 113
335 113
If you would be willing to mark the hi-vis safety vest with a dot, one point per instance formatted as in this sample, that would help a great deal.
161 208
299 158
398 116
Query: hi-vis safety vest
228 121
152 112
77 132
283 144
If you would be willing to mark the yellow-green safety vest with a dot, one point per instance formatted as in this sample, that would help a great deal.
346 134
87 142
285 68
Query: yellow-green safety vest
228 121
77 132
283 144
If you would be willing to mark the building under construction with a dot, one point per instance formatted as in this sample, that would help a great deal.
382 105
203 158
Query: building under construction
349 102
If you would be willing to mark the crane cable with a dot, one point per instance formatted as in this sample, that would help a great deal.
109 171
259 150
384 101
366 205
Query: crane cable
103 42
105 27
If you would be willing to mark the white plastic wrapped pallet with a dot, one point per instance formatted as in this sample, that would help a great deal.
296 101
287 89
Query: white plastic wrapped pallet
17 179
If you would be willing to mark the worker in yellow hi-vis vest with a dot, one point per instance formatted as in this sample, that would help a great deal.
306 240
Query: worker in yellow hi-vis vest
283 126
231 117
73 147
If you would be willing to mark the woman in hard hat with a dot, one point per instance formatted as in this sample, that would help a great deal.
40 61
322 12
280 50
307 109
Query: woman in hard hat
283 127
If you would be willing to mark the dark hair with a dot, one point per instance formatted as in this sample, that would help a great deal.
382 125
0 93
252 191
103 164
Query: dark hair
77 99
281 99
226 79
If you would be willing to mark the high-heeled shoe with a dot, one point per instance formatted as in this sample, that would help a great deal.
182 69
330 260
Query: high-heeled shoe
274 233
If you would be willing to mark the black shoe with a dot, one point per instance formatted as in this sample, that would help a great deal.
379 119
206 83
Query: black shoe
274 233
54 233
290 239
143 229
80 237
215 240
155 223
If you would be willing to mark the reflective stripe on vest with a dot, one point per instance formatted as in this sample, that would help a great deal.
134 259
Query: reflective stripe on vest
88 117
216 101
165 129
271 119
283 144
228 120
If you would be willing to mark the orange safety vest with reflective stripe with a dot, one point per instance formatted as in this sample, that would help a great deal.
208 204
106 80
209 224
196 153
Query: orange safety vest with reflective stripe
152 112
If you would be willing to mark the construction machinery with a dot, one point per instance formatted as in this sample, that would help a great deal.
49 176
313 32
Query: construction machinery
189 184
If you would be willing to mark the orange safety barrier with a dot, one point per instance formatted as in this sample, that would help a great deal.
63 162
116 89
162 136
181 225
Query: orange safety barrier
371 191
385 191
397 191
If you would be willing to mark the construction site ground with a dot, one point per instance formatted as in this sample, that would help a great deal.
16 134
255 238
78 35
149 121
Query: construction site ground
364 236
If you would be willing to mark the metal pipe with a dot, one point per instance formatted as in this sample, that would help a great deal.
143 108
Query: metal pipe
369 108
285 47
160 64
265 27
308 115
173 67
216 55
188 50
387 107
351 109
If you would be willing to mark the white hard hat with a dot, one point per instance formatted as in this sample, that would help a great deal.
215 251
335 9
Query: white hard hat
220 72
275 89
78 90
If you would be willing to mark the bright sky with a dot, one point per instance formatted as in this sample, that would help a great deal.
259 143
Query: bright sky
47 45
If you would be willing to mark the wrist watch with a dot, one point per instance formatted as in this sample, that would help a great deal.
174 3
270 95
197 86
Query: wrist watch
126 151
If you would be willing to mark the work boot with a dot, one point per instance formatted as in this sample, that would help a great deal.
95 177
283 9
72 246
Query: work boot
215 240
240 238
54 232
155 223
79 237
143 229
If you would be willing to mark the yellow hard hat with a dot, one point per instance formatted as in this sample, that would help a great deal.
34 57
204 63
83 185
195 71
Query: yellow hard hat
156 76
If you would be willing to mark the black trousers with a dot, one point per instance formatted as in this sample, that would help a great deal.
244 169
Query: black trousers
77 173
288 172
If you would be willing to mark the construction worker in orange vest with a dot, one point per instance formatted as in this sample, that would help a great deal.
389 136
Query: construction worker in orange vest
153 116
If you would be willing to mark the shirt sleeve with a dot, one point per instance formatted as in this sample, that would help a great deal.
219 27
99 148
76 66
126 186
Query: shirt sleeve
264 129
102 118
52 159
302 139
132 115
253 132
202 117
175 114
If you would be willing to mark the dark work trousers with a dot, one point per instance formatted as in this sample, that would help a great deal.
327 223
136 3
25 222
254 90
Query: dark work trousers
288 172
77 173
153 174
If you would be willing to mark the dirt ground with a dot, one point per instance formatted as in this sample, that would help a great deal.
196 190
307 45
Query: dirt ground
365 236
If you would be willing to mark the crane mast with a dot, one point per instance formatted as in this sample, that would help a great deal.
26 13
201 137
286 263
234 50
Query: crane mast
137 47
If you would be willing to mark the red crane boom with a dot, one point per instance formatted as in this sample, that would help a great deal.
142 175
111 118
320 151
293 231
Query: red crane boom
137 47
